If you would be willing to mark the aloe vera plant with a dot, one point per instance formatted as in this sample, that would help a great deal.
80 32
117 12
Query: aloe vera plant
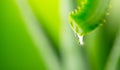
35 35
89 15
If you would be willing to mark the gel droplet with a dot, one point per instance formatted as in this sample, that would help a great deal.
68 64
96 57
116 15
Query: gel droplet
80 39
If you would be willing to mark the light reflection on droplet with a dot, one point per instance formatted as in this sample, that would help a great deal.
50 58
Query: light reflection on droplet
81 39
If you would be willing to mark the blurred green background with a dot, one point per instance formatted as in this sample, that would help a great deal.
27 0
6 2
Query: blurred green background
35 35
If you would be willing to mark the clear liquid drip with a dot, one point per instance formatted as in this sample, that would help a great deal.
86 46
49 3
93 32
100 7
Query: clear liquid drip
80 39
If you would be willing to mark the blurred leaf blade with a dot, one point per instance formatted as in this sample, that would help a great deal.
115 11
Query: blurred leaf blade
16 47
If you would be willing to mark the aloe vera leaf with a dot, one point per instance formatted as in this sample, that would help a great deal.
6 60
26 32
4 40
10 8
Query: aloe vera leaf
89 15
